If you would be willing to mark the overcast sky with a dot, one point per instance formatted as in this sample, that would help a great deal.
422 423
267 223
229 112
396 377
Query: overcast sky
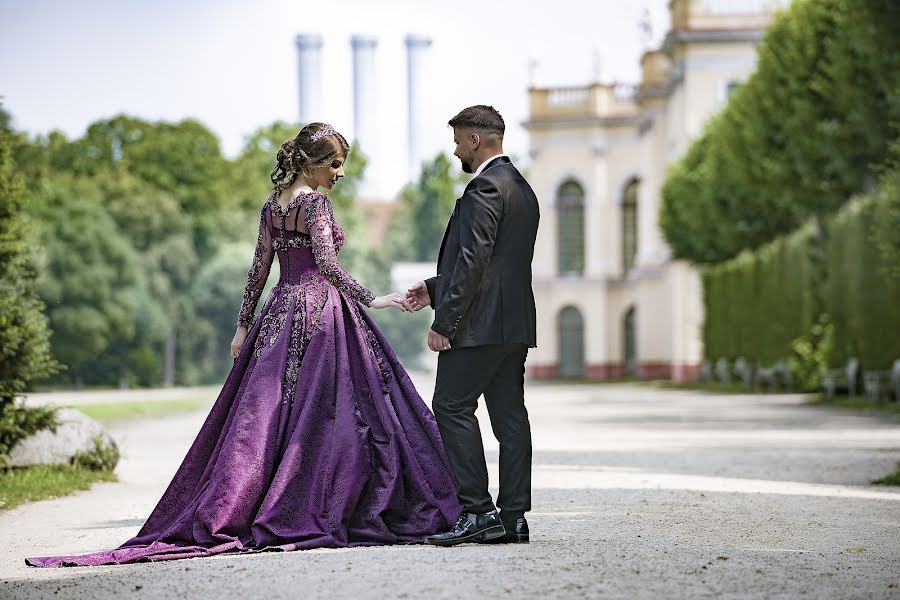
233 64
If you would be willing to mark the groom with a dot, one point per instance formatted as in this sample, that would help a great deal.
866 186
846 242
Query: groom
484 323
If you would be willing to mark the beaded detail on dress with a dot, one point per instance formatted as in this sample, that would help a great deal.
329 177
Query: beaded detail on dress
323 236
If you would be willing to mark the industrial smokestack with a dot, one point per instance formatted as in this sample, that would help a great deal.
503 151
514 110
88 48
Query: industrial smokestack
416 56
365 111
310 76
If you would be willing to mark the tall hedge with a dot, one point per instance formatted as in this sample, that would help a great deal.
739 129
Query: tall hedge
803 134
761 302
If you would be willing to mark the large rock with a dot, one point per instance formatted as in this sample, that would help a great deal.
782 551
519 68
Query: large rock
75 433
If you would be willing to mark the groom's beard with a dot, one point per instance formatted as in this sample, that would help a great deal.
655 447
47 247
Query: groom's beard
466 166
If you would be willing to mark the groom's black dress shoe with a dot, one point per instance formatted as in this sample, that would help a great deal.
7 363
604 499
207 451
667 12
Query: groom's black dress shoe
470 527
516 533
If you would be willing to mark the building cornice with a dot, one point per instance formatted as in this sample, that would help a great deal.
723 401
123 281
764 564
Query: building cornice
689 36
574 122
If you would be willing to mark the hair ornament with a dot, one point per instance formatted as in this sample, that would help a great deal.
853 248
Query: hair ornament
324 132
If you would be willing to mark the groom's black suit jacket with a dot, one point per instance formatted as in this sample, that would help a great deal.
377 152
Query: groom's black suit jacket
482 292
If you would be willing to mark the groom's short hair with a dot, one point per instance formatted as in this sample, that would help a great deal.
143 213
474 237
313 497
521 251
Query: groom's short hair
485 118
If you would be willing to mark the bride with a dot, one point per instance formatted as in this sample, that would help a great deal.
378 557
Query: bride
318 437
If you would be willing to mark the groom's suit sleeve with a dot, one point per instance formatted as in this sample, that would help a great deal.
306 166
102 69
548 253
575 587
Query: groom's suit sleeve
431 285
480 211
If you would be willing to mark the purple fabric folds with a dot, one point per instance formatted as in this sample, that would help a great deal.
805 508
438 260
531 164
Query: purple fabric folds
317 439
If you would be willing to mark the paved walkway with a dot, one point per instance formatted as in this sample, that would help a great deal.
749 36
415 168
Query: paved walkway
638 493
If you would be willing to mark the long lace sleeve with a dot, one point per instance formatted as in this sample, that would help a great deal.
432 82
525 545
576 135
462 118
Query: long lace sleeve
319 220
259 271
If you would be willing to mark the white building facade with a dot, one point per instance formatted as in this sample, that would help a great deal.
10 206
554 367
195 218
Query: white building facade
611 302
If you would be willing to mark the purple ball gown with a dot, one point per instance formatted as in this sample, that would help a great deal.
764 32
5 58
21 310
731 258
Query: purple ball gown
318 437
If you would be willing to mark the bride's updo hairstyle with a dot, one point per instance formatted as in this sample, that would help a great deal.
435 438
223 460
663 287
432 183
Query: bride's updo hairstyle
316 145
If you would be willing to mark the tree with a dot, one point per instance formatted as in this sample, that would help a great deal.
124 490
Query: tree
24 337
161 233
805 133
91 281
427 205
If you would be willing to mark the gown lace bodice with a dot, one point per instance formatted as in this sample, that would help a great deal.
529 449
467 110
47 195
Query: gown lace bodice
307 239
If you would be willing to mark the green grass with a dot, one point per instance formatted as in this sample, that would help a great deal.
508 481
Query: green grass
892 479
121 411
40 482
858 403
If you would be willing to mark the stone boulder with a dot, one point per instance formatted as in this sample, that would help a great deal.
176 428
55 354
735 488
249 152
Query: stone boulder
76 434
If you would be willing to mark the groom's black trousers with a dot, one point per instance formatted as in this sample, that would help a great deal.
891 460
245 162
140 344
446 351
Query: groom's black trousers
498 372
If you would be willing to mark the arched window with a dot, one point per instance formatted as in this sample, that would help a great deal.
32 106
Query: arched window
570 223
629 341
629 225
571 342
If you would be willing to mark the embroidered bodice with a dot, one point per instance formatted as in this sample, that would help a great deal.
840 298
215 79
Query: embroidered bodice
307 239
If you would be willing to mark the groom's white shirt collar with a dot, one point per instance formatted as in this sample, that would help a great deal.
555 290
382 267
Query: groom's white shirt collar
484 164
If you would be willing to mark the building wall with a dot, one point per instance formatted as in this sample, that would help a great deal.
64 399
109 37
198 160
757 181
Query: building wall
588 135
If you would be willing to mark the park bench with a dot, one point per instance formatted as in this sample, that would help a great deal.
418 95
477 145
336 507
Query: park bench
771 377
723 373
846 378
878 384
706 371
744 371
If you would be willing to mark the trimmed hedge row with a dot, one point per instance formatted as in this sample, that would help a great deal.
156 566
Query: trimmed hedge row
816 297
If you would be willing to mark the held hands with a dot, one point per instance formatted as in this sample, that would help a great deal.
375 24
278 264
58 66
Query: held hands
418 296
238 341
397 300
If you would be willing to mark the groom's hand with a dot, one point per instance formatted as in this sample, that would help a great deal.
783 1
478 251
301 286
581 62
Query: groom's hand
437 342
418 296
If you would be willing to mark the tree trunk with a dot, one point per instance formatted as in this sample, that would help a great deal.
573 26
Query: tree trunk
169 360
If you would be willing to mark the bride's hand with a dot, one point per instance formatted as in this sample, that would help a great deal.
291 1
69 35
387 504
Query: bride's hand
237 342
395 300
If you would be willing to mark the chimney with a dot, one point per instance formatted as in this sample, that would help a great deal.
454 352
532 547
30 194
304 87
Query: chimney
365 111
310 76
416 55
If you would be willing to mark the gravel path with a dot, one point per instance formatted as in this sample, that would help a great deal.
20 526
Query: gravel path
638 493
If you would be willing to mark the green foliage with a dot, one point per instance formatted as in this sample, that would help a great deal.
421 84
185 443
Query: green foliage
249 176
91 282
891 479
102 458
861 297
40 482
108 412
144 234
18 422
217 293
810 354
746 314
801 136
181 159
816 297
24 337
417 231
887 216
